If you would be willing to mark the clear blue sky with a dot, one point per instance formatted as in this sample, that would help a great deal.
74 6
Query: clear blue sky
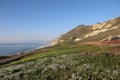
22 20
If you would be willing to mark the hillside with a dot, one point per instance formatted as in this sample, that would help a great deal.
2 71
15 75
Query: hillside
96 32
78 56
68 62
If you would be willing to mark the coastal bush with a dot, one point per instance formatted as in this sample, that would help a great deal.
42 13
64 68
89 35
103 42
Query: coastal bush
71 62
59 50
67 67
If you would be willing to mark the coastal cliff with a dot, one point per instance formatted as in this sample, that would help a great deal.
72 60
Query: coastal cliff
96 32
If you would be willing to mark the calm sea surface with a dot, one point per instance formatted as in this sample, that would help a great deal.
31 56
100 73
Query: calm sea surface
7 49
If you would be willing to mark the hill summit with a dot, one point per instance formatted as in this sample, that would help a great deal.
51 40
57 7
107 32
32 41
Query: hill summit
89 33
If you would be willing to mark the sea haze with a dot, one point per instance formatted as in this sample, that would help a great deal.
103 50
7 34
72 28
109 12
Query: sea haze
7 49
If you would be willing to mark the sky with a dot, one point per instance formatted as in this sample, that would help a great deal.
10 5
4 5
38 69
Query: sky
23 20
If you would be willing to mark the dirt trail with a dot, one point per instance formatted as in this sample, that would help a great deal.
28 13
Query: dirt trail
4 60
8 59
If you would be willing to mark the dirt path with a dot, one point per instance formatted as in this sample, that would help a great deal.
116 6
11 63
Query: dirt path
8 59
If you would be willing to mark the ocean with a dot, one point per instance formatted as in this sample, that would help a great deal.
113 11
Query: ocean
7 49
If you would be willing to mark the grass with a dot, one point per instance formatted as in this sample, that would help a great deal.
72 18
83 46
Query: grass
79 65
48 54
106 62
41 54
61 50
55 51
85 68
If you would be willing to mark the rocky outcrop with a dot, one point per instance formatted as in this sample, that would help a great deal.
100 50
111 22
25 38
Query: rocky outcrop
56 41
112 38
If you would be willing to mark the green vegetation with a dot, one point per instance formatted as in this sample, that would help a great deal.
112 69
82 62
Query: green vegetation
62 49
69 60
64 62
85 68
55 51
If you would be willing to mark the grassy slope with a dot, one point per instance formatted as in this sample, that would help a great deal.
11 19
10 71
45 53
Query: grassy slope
79 31
51 51
68 49
81 61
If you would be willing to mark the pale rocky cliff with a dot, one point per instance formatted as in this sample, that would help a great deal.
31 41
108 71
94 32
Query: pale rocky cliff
56 41
96 32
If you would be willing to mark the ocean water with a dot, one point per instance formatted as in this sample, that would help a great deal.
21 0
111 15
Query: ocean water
7 49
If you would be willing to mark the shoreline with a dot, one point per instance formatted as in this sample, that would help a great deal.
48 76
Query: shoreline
29 50
7 59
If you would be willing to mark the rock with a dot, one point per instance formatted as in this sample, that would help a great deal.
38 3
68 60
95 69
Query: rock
57 41
77 39
112 38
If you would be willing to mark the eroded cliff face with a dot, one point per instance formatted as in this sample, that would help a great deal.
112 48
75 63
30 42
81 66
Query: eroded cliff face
96 32
54 42
57 41
112 38
102 27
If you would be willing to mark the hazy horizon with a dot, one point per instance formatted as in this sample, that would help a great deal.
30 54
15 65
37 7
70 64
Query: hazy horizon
24 20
